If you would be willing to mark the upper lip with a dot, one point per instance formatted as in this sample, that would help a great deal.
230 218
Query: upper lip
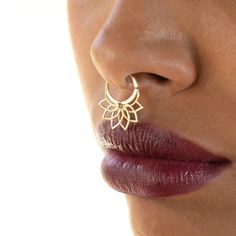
150 141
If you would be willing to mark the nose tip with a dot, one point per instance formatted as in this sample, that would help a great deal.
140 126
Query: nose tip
170 63
106 57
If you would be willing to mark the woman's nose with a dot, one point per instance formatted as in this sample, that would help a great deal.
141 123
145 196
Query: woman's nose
123 48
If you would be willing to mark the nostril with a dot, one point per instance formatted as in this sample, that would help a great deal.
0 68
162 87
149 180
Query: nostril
161 80
158 78
147 77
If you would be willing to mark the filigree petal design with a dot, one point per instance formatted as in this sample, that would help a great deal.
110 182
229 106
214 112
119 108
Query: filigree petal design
104 103
115 113
126 113
117 121
126 119
121 113
110 113
133 117
137 106
106 116
112 108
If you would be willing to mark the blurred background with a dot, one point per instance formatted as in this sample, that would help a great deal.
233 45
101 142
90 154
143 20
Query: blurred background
50 181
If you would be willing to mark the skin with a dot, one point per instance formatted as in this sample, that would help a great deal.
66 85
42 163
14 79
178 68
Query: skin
192 44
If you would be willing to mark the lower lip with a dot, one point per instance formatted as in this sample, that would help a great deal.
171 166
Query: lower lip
157 177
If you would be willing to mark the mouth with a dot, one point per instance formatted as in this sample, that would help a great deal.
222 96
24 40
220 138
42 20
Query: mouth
149 161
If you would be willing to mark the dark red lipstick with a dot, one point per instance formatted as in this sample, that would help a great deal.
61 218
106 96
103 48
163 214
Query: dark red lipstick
146 160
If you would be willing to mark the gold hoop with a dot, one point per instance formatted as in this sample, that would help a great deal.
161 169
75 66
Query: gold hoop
121 113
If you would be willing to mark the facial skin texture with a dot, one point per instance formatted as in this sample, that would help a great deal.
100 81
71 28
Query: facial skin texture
192 43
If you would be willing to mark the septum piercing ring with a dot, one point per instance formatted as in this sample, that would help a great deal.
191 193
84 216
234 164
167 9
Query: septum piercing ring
121 113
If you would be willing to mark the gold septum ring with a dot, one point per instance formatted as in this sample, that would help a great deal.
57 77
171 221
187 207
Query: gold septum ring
121 113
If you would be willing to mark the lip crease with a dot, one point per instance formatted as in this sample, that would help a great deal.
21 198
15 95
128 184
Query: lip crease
147 160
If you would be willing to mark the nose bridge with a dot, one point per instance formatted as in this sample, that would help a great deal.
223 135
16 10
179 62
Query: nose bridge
131 43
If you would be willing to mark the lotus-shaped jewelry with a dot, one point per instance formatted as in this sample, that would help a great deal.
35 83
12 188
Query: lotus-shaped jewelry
121 113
